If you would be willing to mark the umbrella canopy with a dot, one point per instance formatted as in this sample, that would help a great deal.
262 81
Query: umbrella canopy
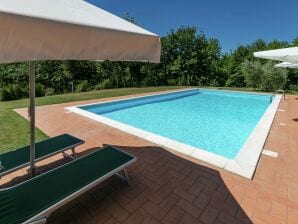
286 65
70 29
283 54
35 30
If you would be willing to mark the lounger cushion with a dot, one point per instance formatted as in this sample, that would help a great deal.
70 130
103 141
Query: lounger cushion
21 157
28 199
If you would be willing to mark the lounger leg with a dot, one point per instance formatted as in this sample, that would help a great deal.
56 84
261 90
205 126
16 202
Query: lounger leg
74 154
126 177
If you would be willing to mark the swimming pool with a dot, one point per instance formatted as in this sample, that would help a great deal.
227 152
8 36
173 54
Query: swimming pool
197 122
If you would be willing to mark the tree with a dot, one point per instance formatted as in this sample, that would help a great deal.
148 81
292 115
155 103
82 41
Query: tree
273 78
295 42
188 57
276 44
252 71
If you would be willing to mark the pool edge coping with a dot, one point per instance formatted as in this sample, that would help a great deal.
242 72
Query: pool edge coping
246 161
244 164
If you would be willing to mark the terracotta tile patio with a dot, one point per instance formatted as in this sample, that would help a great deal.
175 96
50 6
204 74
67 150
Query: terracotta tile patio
171 188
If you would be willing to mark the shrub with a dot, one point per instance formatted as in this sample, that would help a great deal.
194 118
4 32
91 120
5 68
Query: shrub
182 81
273 78
49 91
293 87
264 76
214 83
83 86
5 93
252 71
98 87
105 84
13 92
172 82
39 90
236 80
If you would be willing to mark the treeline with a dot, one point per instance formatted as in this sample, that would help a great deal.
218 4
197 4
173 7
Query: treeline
188 58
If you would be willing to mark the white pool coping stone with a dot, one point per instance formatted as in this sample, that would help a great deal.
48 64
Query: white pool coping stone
245 162
270 153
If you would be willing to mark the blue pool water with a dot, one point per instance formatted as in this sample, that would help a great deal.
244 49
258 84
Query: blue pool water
215 121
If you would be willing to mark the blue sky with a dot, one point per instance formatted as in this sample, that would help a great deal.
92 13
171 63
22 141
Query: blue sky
233 22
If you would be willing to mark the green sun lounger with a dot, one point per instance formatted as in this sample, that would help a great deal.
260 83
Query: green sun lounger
19 158
34 200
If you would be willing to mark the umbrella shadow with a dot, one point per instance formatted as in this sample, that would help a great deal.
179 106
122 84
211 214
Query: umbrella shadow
166 182
160 180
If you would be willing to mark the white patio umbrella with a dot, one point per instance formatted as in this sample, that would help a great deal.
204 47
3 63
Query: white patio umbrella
35 30
286 65
284 54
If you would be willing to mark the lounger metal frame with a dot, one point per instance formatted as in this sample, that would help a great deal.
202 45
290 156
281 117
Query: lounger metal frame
41 218
73 156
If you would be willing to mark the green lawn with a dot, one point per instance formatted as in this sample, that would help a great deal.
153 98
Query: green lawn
14 129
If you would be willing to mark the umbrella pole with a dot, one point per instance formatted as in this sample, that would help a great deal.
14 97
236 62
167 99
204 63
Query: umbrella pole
32 117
